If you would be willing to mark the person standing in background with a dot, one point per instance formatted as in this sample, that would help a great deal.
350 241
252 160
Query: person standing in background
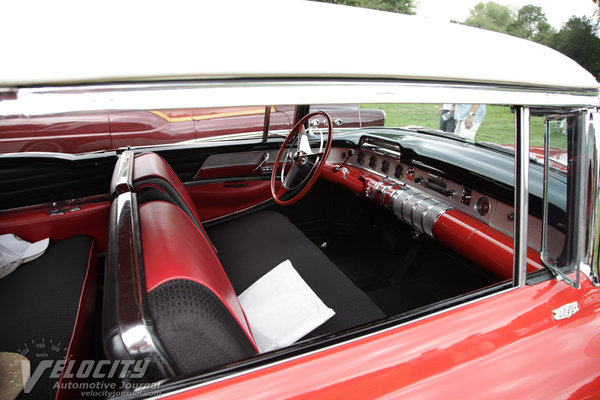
446 113
468 119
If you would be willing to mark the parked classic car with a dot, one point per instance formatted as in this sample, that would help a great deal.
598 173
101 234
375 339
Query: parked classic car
86 132
398 263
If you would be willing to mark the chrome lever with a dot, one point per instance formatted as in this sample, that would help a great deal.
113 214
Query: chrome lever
264 158
339 167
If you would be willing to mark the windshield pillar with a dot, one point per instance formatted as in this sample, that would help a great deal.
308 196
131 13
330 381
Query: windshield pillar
521 199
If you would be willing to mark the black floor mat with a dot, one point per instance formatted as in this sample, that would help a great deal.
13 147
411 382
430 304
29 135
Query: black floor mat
397 282
366 257
434 276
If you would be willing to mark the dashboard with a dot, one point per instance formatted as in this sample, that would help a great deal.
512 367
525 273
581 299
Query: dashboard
418 193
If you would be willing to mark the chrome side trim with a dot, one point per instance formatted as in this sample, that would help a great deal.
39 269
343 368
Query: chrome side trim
224 93
126 285
521 195
590 266
121 181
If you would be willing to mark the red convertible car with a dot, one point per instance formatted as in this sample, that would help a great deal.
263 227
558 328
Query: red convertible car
372 262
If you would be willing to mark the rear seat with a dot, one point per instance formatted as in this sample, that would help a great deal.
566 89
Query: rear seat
47 305
192 293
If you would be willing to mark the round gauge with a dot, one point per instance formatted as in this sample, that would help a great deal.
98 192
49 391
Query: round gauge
360 158
483 206
373 162
385 166
398 171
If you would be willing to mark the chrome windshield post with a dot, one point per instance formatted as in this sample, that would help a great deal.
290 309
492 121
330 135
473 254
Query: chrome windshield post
590 265
521 199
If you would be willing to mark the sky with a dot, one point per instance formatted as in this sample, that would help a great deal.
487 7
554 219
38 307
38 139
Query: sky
557 11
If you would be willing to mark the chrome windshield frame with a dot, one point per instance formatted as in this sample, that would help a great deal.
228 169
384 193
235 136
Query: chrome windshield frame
31 101
521 199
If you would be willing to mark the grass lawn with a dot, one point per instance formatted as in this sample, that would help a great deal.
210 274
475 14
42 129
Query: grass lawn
497 127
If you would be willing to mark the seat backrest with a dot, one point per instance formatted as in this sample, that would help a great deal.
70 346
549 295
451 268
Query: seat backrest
153 179
151 170
195 310
189 311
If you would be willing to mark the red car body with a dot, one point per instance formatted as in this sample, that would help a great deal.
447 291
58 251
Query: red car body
86 132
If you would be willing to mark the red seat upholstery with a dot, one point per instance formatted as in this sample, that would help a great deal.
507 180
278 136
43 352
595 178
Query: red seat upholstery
196 312
151 165
152 176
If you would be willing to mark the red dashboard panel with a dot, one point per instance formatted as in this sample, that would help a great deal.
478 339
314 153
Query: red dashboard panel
481 244
474 239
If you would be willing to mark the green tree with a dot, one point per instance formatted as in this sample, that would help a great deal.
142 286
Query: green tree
491 16
531 23
578 40
398 6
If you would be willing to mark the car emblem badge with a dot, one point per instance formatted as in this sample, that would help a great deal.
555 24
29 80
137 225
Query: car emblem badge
566 311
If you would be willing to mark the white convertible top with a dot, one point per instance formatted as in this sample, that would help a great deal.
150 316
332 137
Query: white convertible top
49 43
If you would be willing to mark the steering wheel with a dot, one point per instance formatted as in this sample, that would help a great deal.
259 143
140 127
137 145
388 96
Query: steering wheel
304 164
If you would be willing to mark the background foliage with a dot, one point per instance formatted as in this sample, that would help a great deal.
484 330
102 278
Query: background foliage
577 38
399 6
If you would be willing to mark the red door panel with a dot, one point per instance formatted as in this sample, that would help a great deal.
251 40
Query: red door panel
33 225
215 200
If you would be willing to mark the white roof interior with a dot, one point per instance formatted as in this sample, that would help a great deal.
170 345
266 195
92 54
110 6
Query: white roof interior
109 41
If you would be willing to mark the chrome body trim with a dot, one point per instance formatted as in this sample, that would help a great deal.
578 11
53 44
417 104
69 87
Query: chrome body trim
122 179
126 282
590 265
224 93
521 195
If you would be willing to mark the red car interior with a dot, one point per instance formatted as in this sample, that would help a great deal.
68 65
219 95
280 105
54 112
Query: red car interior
187 283
194 273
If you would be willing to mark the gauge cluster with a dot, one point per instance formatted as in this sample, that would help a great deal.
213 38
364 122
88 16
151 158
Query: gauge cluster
393 172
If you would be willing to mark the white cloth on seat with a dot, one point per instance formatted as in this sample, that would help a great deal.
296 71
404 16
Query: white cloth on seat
15 251
281 308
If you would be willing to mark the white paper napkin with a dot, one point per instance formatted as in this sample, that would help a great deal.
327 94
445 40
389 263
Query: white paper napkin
15 251
281 308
